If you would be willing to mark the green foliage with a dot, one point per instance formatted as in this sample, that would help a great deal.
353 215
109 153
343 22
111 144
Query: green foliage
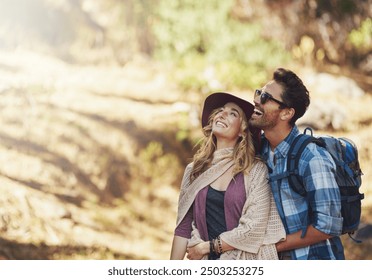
336 7
183 127
241 75
188 26
156 165
202 35
347 6
190 72
361 38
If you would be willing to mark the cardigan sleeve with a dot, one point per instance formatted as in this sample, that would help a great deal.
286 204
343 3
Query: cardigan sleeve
185 183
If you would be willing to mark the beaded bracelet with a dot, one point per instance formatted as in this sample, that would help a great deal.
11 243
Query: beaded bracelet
219 245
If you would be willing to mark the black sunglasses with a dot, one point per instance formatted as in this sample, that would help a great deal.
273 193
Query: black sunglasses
264 96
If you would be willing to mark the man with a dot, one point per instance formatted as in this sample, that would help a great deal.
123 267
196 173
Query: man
313 224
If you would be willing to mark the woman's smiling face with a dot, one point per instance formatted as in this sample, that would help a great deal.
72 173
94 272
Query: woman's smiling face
227 123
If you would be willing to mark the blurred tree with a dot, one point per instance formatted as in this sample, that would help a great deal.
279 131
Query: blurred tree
230 39
361 40
327 22
208 38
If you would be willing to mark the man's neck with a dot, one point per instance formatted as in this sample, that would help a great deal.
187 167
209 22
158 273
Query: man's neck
276 135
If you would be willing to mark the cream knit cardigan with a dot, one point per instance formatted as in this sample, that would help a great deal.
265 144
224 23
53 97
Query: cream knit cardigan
260 226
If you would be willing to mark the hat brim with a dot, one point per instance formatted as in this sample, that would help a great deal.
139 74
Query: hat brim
219 99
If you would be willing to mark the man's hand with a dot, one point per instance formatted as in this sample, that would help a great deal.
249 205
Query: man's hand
198 251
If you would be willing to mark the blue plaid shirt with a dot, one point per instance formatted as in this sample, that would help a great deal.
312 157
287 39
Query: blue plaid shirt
317 170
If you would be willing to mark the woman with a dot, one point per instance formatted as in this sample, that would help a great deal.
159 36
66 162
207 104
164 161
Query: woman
226 209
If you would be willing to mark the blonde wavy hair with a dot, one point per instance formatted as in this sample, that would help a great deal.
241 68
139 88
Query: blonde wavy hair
243 153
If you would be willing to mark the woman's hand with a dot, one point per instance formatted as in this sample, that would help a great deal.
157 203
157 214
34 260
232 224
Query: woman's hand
198 251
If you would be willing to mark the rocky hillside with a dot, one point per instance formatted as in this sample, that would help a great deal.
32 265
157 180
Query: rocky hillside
92 157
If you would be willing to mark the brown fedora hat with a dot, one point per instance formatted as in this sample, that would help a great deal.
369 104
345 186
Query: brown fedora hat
219 99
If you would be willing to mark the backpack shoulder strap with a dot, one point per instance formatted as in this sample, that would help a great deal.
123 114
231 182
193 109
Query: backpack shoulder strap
293 160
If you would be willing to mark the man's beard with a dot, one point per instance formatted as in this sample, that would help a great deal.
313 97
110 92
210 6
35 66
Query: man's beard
262 123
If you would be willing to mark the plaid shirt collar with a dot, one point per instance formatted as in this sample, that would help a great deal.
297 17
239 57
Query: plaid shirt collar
283 148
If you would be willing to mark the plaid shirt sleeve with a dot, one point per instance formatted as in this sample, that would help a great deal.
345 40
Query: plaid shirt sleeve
318 171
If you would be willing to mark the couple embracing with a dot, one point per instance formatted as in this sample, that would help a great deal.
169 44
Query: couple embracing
227 207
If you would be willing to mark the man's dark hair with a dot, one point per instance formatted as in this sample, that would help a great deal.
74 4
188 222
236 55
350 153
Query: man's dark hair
295 94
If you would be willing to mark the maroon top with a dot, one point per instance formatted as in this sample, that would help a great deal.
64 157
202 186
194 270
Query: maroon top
235 198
